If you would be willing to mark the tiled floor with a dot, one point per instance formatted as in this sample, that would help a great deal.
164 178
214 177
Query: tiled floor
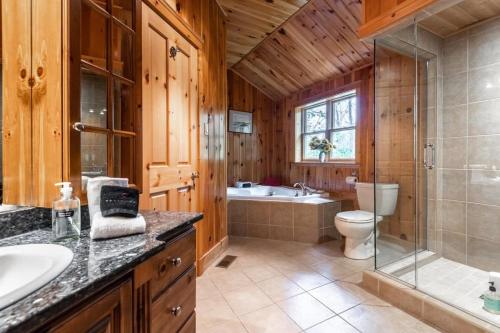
288 287
456 284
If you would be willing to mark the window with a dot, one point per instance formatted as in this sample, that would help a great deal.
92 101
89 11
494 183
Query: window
107 81
335 119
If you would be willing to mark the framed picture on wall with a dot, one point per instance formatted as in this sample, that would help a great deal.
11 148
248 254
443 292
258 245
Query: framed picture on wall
240 122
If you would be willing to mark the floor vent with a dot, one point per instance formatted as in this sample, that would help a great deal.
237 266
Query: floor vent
226 261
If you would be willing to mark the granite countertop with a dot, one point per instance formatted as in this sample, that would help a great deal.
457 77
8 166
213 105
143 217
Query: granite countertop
94 265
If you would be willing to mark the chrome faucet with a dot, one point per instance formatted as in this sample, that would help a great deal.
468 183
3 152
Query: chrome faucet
301 185
304 188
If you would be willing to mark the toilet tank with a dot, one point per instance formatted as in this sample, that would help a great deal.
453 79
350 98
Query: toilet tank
387 197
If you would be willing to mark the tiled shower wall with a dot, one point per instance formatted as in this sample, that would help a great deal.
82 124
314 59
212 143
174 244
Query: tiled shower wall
468 211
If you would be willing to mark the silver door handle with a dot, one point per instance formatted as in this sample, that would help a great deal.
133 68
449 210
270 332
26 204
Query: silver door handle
183 189
429 156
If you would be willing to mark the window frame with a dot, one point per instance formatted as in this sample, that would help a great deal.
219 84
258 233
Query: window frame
330 114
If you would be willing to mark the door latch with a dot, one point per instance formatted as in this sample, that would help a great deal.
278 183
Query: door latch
194 175
173 52
429 156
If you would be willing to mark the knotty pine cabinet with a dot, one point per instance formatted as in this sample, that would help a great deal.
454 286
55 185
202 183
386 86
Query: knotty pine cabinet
32 105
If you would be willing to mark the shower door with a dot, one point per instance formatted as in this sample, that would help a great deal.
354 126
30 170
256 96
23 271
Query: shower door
404 151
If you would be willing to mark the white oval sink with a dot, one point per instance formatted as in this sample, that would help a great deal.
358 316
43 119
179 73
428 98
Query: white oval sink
25 268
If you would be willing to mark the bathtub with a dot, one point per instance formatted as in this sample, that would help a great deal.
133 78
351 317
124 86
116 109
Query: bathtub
270 193
281 213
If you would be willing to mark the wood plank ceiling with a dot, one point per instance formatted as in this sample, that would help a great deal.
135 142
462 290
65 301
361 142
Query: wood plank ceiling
460 16
249 22
316 43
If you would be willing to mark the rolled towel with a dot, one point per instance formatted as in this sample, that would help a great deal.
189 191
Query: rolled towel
94 192
116 226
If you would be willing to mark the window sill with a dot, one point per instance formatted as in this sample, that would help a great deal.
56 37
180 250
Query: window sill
342 164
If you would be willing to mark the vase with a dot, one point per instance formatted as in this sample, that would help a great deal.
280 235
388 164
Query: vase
322 156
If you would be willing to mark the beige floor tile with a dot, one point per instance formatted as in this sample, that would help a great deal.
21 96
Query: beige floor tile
335 297
280 288
227 280
333 325
270 319
305 310
333 270
387 319
205 288
247 299
214 311
261 272
230 327
306 279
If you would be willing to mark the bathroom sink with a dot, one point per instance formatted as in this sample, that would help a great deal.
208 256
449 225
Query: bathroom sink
25 268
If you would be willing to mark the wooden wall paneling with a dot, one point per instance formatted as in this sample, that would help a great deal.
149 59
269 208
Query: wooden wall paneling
16 102
249 155
328 177
212 230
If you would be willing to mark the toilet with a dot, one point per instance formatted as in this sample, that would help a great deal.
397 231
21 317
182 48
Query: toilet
357 225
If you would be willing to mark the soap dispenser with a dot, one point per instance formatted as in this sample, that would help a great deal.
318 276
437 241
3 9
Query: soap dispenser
66 214
492 299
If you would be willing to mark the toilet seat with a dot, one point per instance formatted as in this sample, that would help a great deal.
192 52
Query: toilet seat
357 216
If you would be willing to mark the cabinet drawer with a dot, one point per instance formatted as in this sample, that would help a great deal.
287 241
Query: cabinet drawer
172 308
172 262
190 325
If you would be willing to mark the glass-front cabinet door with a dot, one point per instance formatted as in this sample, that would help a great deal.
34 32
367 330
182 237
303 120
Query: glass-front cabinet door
104 116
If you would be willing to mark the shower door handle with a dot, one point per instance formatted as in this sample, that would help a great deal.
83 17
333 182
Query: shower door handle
429 156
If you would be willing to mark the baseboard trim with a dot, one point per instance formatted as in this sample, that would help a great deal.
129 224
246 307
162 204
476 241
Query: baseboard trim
208 258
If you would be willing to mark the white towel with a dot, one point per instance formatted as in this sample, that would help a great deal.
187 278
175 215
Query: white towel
116 226
94 192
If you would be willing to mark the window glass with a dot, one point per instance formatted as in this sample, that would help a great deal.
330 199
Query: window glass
345 143
315 118
123 156
94 154
122 10
122 104
334 119
344 112
93 99
122 55
94 36
310 154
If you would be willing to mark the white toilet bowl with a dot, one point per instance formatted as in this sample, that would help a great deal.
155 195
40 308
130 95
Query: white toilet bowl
357 227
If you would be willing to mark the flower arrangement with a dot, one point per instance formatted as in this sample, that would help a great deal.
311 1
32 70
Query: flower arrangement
323 145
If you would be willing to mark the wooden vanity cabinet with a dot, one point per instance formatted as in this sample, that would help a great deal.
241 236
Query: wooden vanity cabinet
165 288
111 312
157 296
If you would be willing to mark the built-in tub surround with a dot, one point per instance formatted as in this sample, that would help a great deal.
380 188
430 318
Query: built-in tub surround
307 219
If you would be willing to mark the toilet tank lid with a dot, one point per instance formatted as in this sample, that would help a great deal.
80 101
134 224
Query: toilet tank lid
380 186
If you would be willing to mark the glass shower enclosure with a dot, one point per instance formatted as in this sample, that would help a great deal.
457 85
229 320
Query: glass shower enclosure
437 239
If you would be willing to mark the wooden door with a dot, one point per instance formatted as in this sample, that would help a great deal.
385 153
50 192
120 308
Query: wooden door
110 313
170 117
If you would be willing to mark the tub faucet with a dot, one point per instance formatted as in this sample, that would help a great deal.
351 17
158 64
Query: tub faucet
302 187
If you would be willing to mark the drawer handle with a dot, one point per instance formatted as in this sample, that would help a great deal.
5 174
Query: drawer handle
163 268
177 261
176 311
